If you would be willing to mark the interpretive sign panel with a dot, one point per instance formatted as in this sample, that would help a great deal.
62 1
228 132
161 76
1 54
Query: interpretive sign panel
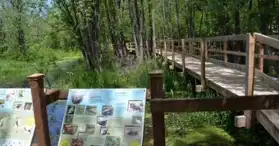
17 123
104 117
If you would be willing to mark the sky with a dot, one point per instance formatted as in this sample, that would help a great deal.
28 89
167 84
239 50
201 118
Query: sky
49 2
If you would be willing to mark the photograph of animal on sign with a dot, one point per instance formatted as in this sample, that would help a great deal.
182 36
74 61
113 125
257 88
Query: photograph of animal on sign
18 105
70 110
77 142
131 130
79 109
135 106
107 110
91 110
102 121
27 106
82 136
69 129
90 129
77 98
136 119
104 131
10 95
68 119
112 141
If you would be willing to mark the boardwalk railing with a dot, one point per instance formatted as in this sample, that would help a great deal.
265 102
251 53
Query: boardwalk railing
159 106
219 50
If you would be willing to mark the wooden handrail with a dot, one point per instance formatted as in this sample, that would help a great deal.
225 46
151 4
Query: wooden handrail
267 40
240 37
227 52
216 104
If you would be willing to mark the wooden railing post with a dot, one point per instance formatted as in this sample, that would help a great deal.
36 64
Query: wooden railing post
166 51
190 44
183 55
202 53
187 47
172 53
205 49
148 47
156 91
36 82
161 48
261 59
225 50
249 79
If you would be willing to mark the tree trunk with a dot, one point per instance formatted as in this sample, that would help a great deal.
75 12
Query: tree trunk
151 27
178 18
153 34
134 24
18 4
143 30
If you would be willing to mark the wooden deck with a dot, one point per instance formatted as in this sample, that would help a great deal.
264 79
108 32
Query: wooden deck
229 79
230 82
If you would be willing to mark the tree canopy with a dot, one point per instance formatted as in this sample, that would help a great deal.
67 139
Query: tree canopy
92 26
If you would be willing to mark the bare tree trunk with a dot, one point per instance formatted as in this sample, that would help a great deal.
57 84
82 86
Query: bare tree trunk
150 15
117 36
140 31
178 17
201 22
154 34
137 29
134 23
112 31
144 31
96 35
18 5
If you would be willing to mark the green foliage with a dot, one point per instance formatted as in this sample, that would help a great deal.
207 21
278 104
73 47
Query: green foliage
15 67
203 136
111 77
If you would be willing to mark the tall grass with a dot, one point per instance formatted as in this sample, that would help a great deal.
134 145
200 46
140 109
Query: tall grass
15 67
111 77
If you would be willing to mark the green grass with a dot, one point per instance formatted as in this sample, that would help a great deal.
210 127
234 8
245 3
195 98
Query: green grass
204 136
14 71
15 68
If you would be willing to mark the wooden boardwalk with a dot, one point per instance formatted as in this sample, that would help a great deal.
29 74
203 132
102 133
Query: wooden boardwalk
226 78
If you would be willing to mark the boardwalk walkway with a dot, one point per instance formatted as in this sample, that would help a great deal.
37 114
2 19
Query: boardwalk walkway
226 78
